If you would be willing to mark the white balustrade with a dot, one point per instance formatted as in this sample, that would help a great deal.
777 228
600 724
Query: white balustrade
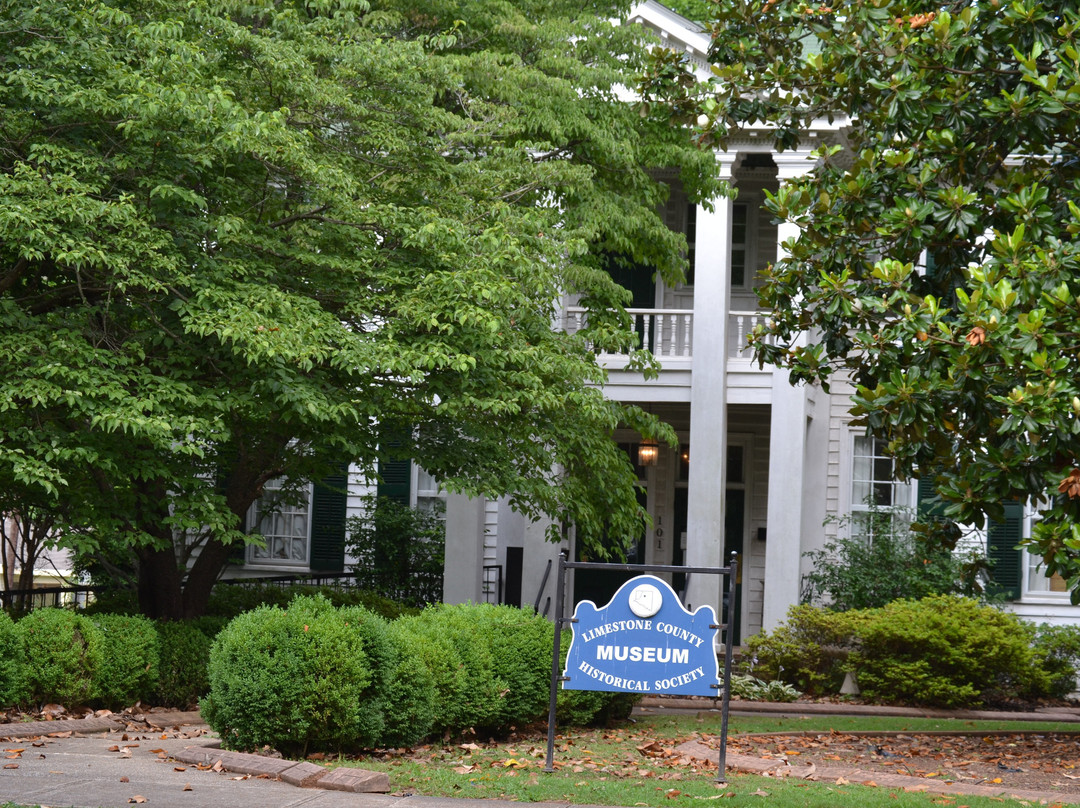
668 333
740 325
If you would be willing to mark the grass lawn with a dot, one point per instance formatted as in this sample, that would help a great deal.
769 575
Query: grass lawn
633 765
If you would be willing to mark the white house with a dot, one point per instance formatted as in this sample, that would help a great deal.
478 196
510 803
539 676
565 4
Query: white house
762 465
763 468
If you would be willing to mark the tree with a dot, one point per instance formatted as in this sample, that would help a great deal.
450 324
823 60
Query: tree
937 263
241 242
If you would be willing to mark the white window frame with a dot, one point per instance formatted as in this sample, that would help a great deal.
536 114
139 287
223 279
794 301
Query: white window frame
1032 564
425 498
904 493
748 246
265 557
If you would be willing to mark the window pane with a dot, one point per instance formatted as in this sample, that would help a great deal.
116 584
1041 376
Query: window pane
283 524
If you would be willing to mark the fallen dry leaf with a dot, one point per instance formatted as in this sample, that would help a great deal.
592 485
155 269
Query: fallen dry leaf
138 798
124 780
187 787
759 793
11 765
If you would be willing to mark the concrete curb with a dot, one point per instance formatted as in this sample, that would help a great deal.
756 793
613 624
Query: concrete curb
1060 714
93 724
302 774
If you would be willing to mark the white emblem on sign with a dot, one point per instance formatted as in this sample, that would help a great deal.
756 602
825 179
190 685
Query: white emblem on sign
645 600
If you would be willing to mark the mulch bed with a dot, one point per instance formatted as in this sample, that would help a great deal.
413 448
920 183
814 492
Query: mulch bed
1041 761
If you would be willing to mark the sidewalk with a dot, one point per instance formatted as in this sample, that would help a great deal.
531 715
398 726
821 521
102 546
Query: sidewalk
166 760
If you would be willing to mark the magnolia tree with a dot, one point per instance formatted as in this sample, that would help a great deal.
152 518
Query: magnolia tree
936 265
245 241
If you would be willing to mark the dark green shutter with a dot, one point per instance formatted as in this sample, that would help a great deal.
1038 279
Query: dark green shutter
395 477
930 506
328 523
1002 539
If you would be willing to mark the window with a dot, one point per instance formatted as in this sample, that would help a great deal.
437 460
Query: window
285 524
691 239
428 496
879 502
1038 584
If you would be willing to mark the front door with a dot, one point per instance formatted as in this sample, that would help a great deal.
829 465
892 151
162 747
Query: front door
734 523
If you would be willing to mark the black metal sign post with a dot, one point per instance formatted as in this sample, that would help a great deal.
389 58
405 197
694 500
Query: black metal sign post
728 576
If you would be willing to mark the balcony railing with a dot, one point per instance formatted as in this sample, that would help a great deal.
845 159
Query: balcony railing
668 333
740 325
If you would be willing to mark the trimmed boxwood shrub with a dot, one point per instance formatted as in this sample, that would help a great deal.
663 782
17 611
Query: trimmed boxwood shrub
808 650
64 651
946 651
381 657
184 656
492 666
457 653
12 663
230 600
294 679
129 667
521 657
1058 650
410 691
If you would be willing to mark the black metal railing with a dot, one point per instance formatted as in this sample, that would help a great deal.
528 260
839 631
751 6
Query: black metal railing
79 596
491 585
26 600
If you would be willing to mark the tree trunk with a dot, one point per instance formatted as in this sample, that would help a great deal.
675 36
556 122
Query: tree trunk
160 584
201 578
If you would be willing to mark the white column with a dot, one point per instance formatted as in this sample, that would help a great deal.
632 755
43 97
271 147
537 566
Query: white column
463 568
708 397
789 424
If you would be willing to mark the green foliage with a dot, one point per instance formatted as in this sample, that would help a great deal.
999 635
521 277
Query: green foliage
808 650
130 659
521 657
946 651
854 572
382 659
583 708
753 689
237 237
183 676
937 265
400 549
13 663
444 656
229 600
700 11
500 670
411 692
1057 649
291 678
64 652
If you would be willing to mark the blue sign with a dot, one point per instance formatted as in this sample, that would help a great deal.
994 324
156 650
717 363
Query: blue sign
643 641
